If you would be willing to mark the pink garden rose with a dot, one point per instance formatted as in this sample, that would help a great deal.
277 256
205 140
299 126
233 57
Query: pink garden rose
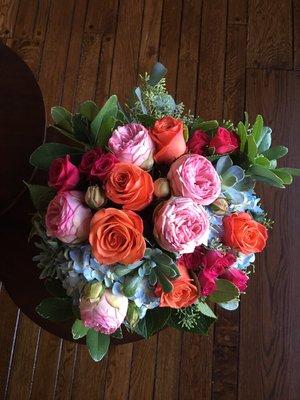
194 176
132 143
88 160
105 314
180 225
63 175
237 277
103 166
224 141
68 218
198 142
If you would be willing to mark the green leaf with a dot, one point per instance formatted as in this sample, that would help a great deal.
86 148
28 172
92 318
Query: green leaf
257 130
43 156
291 171
164 282
81 127
118 334
67 134
154 321
55 309
79 330
98 344
158 72
208 125
131 285
206 310
40 196
89 110
225 291
55 288
263 174
62 118
104 122
276 152
242 132
286 178
203 323
262 160
266 140
146 120
251 148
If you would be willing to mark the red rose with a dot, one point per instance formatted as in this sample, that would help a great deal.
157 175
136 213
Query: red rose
193 260
224 141
207 280
198 142
216 262
237 277
63 175
103 166
88 160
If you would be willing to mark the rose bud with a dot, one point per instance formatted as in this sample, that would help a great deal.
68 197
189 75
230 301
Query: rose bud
95 197
93 291
132 316
161 187
219 206
148 164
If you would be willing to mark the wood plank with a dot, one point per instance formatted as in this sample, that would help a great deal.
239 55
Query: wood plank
65 372
270 35
8 16
296 15
269 340
237 12
8 330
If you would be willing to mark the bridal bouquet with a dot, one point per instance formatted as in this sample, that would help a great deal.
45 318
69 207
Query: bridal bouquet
150 217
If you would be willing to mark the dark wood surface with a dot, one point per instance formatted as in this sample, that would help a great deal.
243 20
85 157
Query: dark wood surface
223 56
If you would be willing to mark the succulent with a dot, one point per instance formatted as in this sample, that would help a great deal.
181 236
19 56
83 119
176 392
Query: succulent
233 180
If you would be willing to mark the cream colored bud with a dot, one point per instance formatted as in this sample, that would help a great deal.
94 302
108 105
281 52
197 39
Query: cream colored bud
148 164
95 197
161 187
219 206
93 291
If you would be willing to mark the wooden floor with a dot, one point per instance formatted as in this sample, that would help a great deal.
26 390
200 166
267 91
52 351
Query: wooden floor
223 56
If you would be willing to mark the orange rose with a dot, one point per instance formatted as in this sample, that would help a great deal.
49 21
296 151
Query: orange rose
167 134
243 233
117 236
184 293
130 186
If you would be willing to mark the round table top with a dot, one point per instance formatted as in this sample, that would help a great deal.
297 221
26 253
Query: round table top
22 129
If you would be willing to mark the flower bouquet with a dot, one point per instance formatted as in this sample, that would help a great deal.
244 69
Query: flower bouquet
150 217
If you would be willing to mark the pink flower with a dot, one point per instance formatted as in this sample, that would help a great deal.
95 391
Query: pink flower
224 141
103 166
194 176
237 277
193 260
67 218
180 225
207 280
216 262
105 314
198 142
88 160
132 143
63 175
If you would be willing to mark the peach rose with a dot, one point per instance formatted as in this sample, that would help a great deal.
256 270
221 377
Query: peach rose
243 233
167 133
117 236
184 292
130 186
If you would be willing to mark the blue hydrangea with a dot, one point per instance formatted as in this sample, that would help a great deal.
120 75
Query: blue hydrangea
243 261
250 203
216 226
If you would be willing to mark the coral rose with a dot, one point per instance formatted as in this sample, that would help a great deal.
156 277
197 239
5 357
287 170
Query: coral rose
224 141
243 233
117 236
130 186
198 142
67 217
184 292
180 225
105 314
167 133
132 143
63 175
194 176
